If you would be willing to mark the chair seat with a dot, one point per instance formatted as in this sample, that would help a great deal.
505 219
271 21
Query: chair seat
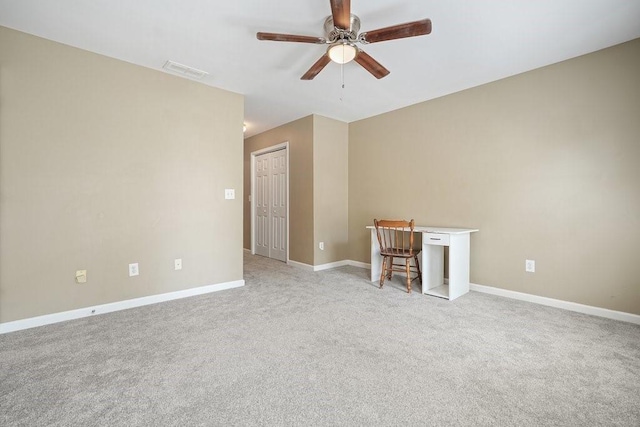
400 253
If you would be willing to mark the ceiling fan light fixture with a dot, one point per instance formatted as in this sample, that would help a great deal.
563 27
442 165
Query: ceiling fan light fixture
342 52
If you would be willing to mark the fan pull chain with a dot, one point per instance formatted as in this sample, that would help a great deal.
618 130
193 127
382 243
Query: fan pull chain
342 76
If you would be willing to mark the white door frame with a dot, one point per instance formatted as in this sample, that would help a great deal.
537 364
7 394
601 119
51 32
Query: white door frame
254 154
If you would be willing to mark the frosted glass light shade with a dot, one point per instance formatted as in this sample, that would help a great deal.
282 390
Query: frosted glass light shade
342 52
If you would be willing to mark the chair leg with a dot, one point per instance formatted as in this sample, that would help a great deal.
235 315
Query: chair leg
384 271
418 267
390 269
408 263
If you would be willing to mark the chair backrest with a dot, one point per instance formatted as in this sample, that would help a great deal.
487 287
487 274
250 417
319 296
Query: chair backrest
395 236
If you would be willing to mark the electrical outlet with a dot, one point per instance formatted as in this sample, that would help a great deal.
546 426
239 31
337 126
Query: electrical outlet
229 194
81 276
133 269
530 266
177 263
321 246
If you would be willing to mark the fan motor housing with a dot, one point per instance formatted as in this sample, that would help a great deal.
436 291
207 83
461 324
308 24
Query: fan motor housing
334 34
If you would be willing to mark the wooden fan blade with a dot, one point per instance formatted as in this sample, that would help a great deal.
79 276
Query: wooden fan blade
371 65
409 29
316 68
341 12
289 38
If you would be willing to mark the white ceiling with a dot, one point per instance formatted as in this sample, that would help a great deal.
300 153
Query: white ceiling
473 42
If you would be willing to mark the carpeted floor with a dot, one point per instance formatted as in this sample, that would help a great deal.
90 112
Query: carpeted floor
328 348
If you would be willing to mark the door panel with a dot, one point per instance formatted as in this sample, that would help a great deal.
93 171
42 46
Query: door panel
271 205
262 214
279 204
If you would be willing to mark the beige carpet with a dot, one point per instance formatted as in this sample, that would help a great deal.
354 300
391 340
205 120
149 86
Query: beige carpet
327 348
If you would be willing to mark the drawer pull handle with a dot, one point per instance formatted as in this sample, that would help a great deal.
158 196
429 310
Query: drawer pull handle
433 238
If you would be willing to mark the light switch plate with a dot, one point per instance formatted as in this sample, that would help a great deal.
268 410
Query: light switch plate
229 194
177 263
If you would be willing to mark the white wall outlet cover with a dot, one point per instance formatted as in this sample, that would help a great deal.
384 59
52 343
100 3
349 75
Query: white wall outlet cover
229 194
81 276
177 264
133 269
530 266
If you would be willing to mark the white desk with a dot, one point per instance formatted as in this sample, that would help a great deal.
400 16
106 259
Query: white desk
434 239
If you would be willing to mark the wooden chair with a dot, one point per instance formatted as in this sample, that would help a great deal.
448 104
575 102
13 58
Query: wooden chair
396 241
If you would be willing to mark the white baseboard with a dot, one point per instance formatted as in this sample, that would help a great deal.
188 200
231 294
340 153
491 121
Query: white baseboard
359 264
328 266
48 319
320 267
566 305
300 265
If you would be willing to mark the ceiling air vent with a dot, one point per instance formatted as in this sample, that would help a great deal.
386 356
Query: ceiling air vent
184 70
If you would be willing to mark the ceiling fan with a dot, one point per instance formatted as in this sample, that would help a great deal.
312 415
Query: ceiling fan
341 29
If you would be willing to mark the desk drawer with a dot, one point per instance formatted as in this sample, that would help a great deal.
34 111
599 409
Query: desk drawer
435 239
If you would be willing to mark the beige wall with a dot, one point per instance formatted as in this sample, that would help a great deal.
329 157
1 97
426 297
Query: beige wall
546 164
299 134
330 189
103 163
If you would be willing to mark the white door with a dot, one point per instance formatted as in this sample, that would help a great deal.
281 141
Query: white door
271 205
278 235
262 205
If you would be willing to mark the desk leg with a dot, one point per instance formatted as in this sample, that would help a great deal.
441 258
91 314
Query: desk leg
376 259
432 268
459 248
